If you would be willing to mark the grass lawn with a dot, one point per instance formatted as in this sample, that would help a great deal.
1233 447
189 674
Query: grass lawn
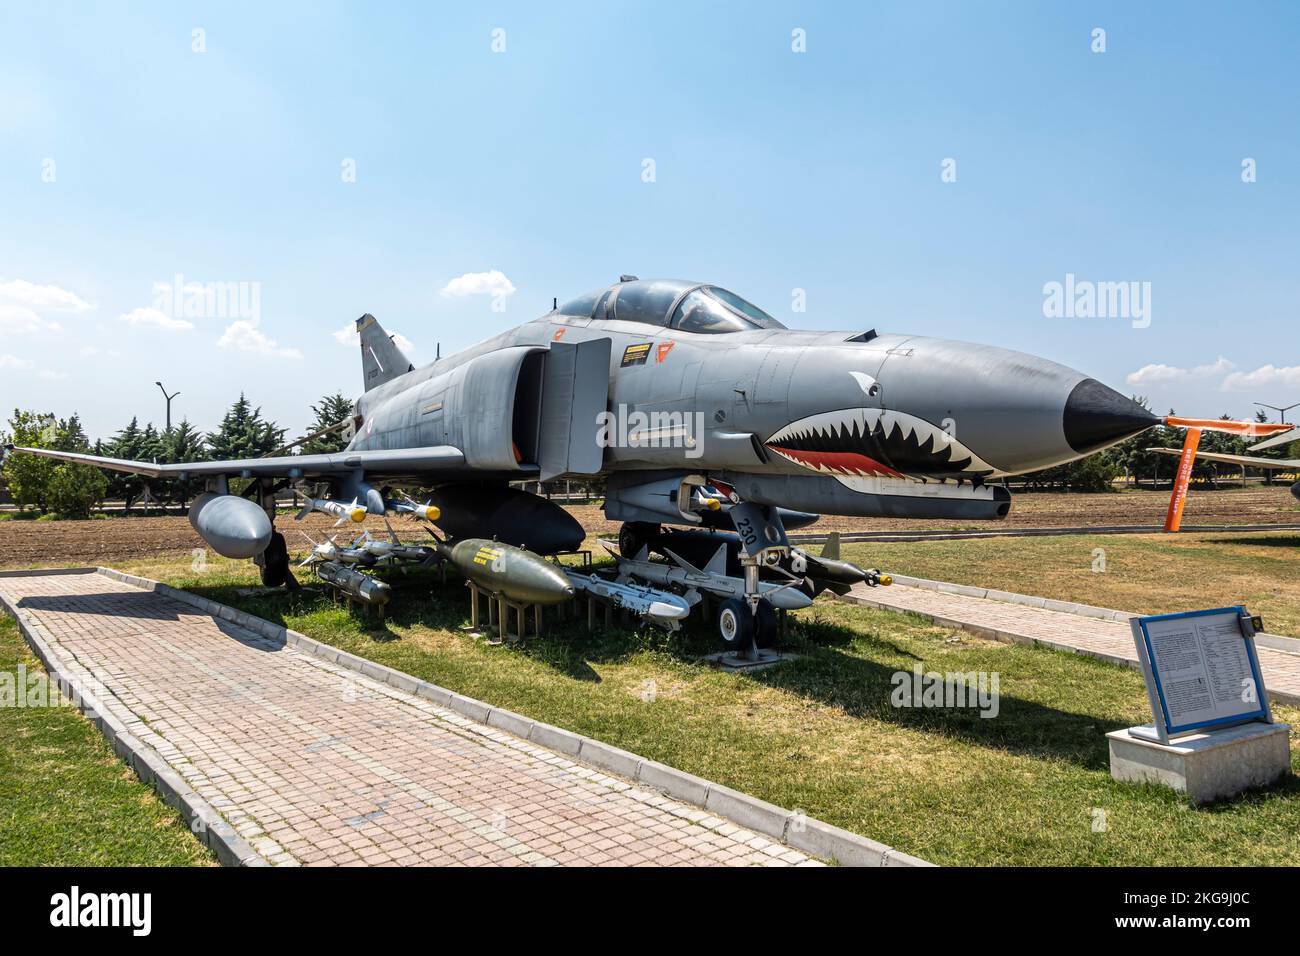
65 797
1149 574
819 734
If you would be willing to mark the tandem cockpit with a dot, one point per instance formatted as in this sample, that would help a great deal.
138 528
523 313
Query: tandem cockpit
671 303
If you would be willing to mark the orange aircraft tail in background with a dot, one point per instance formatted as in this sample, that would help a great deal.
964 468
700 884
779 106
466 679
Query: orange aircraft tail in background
1194 426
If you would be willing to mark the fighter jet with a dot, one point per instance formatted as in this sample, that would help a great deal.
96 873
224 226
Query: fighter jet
671 390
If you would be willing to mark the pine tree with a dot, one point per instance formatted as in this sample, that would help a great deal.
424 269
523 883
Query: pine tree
330 410
243 433
182 443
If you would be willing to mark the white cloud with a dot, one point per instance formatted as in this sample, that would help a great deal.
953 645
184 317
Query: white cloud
21 320
1266 376
493 283
14 362
48 373
402 342
246 337
155 318
1149 374
22 304
42 297
1155 373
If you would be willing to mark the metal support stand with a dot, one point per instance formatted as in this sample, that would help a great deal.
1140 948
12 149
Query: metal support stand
499 613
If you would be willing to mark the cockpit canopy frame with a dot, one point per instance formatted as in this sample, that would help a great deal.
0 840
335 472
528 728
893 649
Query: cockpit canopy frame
672 303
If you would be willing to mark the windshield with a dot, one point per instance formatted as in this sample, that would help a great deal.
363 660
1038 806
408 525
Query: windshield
713 310
752 312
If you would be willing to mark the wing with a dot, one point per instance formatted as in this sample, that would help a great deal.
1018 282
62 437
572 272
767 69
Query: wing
1274 464
435 462
1282 439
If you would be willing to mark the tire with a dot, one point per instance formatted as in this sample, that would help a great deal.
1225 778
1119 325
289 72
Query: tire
766 627
275 562
634 535
735 624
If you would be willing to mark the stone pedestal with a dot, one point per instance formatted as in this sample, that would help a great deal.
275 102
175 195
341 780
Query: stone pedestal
1207 766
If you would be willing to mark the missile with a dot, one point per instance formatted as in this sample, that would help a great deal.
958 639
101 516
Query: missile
427 511
345 513
823 571
391 550
658 607
328 550
519 575
353 583
682 574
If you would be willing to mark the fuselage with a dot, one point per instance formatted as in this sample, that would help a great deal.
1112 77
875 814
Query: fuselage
874 414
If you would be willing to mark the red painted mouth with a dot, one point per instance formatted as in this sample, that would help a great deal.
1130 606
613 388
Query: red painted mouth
840 462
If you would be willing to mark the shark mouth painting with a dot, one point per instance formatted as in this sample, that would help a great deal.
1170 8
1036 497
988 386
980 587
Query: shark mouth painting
877 443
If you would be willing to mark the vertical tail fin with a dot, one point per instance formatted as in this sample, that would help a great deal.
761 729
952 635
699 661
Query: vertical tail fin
381 360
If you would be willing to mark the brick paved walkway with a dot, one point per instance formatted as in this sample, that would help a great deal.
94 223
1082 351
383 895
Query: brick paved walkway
313 763
1002 620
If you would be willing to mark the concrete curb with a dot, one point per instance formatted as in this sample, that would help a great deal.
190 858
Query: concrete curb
76 684
1277 642
791 827
1287 645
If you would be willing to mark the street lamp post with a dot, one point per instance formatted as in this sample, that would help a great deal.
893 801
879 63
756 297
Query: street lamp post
1281 410
169 403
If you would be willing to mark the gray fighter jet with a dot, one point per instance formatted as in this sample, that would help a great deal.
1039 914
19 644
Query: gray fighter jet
672 390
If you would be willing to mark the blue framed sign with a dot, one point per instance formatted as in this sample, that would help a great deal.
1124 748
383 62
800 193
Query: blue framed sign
1201 670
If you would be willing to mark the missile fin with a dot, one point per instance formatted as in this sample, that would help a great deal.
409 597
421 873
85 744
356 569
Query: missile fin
683 562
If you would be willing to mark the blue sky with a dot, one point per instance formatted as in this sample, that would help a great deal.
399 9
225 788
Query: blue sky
773 171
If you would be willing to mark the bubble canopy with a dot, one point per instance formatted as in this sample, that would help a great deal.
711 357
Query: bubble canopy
672 303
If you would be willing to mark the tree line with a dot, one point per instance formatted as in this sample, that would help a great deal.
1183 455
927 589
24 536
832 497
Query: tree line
68 490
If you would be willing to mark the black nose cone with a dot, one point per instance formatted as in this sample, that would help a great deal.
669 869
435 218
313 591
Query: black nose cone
1097 416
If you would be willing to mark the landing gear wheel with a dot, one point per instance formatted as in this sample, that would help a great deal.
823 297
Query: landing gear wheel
634 535
765 623
735 625
275 562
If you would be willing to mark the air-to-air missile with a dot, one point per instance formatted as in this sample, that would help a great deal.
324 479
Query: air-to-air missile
825 571
354 583
329 550
427 511
391 550
514 573
711 578
662 608
345 513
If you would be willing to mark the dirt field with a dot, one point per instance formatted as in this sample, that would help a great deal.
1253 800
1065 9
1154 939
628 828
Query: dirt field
46 543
